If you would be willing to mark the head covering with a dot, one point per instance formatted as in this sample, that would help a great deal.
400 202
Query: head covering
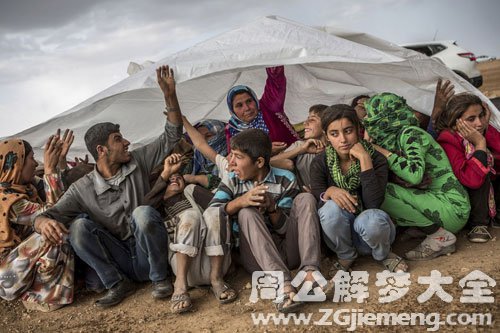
217 142
237 125
12 158
387 115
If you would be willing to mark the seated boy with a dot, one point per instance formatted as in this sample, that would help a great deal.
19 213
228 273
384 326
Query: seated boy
301 153
279 228
191 242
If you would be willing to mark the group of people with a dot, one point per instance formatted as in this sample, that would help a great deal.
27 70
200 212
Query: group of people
251 187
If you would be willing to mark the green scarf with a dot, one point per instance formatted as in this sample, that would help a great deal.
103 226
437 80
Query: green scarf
350 181
387 115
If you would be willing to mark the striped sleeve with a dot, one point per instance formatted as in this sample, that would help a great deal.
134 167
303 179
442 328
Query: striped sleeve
222 196
290 188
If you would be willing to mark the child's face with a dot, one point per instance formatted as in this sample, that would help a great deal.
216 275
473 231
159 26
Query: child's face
242 165
342 135
475 117
312 127
176 184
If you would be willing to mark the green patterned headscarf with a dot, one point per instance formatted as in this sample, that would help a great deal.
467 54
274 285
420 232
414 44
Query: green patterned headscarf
350 181
387 115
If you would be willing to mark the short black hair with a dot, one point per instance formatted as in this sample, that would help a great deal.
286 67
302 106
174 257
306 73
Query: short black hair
318 109
255 143
357 98
339 111
98 135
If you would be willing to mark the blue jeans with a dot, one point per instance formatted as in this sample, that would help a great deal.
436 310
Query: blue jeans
142 257
371 232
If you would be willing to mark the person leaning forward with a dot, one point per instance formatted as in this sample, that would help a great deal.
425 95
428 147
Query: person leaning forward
108 229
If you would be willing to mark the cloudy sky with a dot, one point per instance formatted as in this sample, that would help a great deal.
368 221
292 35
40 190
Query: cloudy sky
56 53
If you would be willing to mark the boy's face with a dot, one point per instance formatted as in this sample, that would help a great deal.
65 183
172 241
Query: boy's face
243 166
176 184
312 127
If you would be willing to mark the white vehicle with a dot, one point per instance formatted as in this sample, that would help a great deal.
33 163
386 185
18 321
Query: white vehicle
459 60
484 58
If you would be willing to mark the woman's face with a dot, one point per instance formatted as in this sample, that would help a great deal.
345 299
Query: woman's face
342 135
475 117
28 172
244 107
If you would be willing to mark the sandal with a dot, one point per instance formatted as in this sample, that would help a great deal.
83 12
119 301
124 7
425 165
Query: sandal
394 263
231 294
286 303
337 266
179 299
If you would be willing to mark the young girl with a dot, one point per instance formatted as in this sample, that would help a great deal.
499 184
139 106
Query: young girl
349 181
423 192
473 148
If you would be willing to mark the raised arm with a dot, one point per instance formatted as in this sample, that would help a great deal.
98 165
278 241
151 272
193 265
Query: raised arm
199 141
273 98
166 80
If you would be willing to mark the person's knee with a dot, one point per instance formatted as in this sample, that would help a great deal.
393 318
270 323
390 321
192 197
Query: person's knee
79 232
373 223
190 222
247 216
145 217
305 200
330 214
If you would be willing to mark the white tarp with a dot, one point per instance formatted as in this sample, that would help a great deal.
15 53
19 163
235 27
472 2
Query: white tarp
322 65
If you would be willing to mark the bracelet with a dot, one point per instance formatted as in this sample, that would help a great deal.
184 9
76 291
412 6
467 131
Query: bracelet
322 197
172 109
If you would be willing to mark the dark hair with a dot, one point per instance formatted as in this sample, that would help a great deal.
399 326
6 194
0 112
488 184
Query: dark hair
253 142
318 109
339 111
72 175
27 148
357 98
98 135
454 109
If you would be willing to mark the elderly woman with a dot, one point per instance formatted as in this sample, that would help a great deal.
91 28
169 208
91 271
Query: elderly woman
32 267
268 114
422 191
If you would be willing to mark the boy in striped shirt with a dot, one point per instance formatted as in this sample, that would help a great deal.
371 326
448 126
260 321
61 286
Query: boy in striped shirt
279 228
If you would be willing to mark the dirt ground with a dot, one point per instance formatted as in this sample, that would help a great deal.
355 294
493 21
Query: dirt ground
140 313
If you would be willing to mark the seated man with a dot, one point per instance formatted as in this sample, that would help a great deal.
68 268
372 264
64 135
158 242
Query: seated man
301 153
109 231
267 203
188 234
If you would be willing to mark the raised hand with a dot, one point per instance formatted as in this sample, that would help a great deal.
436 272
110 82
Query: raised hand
166 80
79 160
444 91
313 146
171 165
67 141
51 154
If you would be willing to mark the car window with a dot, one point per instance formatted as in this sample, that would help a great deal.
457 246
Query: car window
422 49
436 48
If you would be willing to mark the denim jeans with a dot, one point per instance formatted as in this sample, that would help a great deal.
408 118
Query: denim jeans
142 257
371 232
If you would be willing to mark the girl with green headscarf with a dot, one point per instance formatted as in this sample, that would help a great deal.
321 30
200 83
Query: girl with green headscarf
348 179
422 191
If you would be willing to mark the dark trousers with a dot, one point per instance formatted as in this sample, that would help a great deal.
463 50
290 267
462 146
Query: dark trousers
141 257
479 212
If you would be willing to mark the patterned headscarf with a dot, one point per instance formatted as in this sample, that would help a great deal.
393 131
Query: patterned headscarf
350 181
387 115
237 125
217 142
12 158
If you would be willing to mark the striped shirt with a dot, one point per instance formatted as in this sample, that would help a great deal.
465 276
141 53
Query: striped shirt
282 186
